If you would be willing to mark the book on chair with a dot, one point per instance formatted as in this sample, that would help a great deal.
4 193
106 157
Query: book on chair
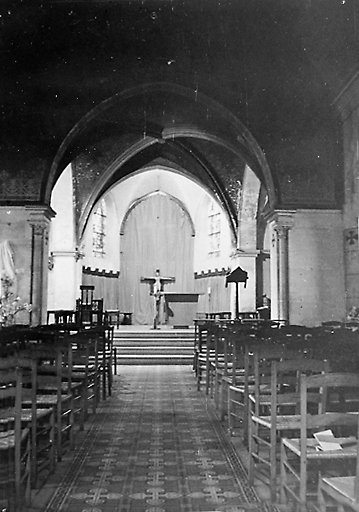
327 441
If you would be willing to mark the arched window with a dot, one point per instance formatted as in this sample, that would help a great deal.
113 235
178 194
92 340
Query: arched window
99 229
214 230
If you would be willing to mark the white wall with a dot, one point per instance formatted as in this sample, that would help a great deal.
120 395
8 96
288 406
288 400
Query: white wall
316 267
194 198
111 260
63 279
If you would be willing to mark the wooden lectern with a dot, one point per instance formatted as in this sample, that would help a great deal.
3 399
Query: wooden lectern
237 275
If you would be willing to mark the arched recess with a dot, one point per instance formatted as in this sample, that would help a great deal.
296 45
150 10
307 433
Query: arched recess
148 196
162 121
157 232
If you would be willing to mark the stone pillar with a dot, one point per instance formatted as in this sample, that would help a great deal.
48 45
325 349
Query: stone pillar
26 228
282 221
283 271
39 222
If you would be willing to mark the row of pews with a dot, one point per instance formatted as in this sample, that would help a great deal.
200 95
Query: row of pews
52 379
292 395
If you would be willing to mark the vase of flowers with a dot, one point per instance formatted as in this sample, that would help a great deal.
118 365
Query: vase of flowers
353 315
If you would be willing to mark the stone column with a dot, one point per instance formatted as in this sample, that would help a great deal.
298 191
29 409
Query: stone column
282 221
26 229
283 271
39 222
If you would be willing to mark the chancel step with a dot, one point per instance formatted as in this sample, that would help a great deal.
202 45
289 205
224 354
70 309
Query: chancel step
155 347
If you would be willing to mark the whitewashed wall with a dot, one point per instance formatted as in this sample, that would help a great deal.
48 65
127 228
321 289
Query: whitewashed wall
316 267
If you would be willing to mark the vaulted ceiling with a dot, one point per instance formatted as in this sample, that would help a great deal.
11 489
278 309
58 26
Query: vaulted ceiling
238 81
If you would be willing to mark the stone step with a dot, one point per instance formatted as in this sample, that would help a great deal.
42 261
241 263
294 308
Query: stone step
154 350
153 343
153 360
145 347
150 336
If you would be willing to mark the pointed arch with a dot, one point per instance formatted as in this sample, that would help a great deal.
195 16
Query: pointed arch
152 194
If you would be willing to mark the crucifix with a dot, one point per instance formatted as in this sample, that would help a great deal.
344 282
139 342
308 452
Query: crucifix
156 289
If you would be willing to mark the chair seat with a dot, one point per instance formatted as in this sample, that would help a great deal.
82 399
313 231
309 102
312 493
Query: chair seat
349 448
343 485
48 400
64 387
7 439
286 422
7 414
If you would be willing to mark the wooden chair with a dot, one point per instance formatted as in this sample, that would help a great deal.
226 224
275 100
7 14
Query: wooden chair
241 376
301 460
219 363
276 412
41 421
86 368
238 391
231 371
54 391
211 348
89 311
257 357
200 330
15 458
203 351
340 493
103 335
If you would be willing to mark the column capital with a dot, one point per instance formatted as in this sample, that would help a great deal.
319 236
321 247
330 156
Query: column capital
40 214
282 230
38 227
282 219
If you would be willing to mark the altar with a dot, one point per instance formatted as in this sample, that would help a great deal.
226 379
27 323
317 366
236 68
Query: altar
180 308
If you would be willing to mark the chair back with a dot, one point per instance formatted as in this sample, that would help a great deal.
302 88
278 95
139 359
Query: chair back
319 411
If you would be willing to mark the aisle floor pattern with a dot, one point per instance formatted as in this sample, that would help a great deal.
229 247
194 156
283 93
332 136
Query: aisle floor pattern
156 445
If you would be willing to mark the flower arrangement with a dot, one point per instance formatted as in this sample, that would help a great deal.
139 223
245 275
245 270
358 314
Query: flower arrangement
353 315
9 304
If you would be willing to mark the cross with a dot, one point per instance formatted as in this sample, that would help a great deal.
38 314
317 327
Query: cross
157 284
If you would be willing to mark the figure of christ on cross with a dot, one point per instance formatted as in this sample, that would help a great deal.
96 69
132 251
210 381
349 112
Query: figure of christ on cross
156 289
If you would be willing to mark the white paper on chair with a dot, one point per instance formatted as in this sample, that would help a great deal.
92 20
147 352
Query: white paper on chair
327 441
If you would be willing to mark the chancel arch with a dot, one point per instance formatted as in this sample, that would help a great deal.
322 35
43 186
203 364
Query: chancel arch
161 126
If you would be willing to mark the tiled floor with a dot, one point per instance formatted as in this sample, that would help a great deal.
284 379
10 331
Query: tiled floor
156 445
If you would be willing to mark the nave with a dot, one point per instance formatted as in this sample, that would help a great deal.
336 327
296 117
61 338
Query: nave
155 445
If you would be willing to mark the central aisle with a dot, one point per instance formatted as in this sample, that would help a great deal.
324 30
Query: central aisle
155 446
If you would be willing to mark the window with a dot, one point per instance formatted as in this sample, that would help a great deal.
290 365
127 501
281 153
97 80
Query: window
214 230
99 229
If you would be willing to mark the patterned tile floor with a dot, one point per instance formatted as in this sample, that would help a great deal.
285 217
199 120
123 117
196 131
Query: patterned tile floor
155 446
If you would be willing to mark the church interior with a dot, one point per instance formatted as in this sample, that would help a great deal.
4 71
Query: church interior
179 255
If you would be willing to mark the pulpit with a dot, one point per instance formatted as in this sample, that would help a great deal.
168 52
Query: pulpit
180 308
